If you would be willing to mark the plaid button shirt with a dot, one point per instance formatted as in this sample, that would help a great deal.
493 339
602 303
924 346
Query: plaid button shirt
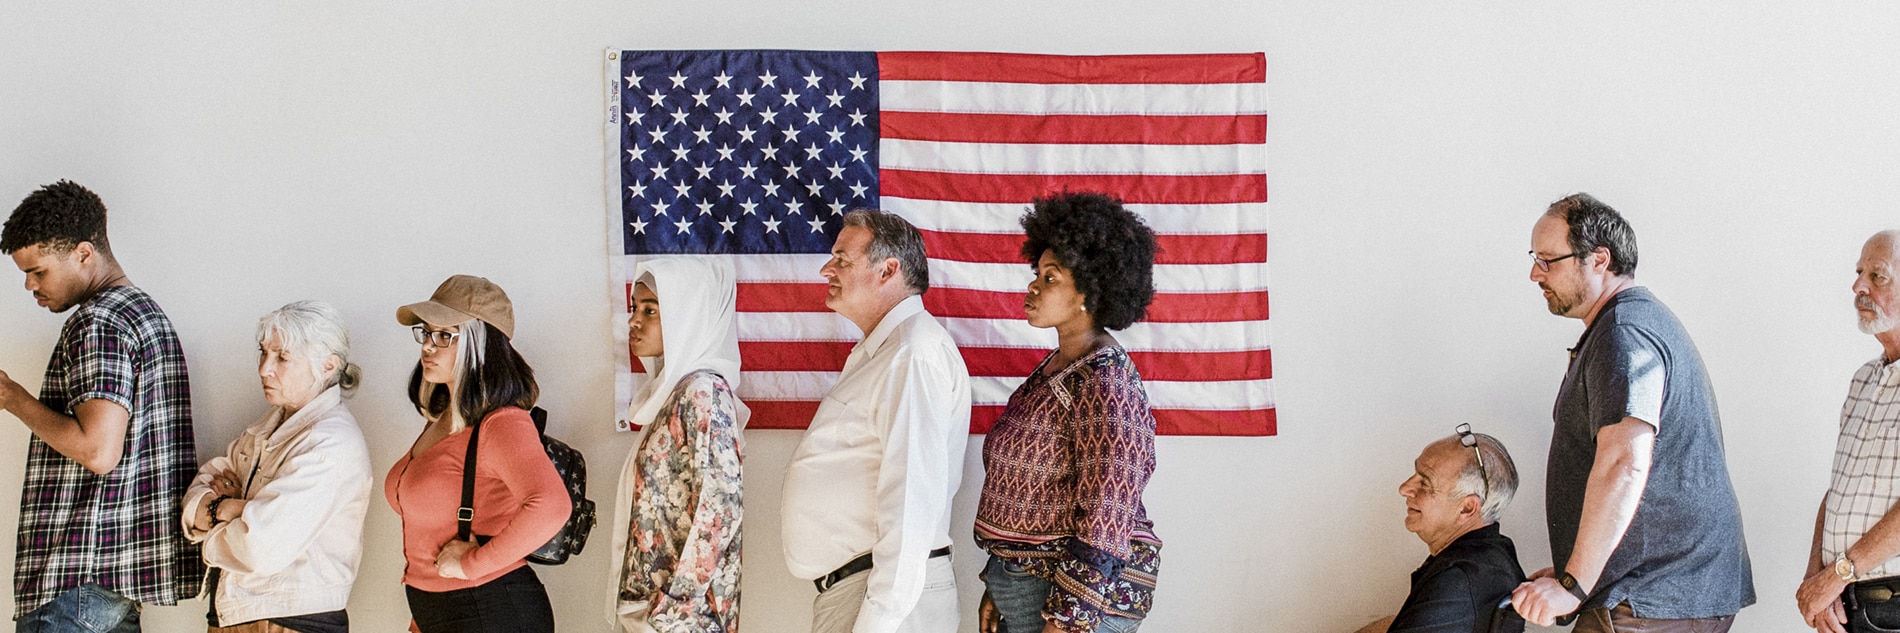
119 530
1866 479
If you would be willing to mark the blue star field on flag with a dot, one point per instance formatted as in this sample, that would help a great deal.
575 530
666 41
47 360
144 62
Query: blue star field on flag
737 152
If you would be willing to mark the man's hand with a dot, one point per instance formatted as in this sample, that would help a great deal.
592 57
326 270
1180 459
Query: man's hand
1820 601
448 562
1542 600
988 620
11 392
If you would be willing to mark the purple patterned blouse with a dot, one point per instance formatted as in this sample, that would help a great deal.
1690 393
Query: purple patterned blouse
1065 466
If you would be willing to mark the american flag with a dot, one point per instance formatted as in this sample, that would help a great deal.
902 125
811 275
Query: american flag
755 155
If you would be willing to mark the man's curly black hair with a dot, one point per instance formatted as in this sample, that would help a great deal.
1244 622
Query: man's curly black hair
1109 250
57 218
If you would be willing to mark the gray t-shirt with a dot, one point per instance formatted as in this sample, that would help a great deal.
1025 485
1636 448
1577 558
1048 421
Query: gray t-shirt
1683 555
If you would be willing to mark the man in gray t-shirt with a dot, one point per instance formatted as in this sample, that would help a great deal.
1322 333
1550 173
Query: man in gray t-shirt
1644 527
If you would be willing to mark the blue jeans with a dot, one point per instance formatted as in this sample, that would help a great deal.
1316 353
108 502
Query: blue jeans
88 608
1019 596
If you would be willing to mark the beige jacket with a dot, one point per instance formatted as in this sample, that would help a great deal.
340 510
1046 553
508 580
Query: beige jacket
295 548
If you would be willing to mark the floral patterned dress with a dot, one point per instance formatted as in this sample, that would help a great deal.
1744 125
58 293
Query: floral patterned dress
683 537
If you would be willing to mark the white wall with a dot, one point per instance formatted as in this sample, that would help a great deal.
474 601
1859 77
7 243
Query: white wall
258 153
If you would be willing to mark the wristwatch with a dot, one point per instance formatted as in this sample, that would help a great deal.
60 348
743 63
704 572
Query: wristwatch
1569 583
1844 567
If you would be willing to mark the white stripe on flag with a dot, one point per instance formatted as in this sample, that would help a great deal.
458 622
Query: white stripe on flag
1012 98
1213 336
1014 277
1165 219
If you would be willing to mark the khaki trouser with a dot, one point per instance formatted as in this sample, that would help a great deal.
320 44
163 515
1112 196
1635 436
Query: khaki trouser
836 610
1623 620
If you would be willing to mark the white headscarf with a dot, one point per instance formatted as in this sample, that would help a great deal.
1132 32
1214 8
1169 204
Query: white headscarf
697 298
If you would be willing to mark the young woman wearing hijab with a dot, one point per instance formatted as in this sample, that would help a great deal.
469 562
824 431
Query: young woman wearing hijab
677 515
469 375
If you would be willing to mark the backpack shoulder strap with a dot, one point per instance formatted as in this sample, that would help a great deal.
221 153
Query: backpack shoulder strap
465 515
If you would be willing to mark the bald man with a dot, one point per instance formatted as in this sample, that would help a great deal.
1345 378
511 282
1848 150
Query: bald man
1852 564
1459 487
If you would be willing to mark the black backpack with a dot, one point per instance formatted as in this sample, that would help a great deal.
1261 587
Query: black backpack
573 469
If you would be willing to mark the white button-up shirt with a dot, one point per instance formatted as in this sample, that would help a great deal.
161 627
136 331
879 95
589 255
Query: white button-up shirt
878 467
1866 465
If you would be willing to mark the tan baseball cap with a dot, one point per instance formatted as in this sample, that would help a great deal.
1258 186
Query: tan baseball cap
461 298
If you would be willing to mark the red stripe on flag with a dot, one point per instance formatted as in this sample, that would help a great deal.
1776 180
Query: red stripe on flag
960 127
781 297
793 355
1166 308
797 414
1006 248
781 414
1169 366
1248 423
1069 69
1021 188
1017 361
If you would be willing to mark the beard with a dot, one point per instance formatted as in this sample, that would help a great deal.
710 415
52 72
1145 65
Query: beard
1880 322
1560 302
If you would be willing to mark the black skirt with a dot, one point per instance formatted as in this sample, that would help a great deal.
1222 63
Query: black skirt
514 603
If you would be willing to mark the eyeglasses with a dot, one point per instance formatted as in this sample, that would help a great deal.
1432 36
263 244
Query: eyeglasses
1470 440
1544 264
440 338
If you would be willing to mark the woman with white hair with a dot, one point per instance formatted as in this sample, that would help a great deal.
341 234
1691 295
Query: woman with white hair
280 514
677 519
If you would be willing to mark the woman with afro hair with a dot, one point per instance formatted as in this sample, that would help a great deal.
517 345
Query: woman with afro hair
1071 547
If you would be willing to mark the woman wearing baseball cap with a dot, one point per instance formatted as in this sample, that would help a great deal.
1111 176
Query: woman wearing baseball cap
469 374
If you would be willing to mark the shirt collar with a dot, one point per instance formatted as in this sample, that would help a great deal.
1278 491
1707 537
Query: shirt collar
1601 313
303 418
910 306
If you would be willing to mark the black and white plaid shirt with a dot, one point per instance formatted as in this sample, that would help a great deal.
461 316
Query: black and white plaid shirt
119 530
1866 480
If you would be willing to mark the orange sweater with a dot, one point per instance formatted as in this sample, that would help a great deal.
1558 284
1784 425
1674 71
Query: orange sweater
519 501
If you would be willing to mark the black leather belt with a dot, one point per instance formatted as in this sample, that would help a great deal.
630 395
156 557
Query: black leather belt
861 563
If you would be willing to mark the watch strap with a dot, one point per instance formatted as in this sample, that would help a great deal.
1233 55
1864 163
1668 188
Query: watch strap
1850 573
1569 583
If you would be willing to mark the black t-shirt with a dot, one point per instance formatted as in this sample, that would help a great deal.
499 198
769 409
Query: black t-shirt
1458 590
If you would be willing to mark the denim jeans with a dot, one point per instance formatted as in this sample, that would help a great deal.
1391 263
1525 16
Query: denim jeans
88 608
1019 596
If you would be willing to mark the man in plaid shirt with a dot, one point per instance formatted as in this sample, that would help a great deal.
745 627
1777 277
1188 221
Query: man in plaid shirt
1857 532
112 448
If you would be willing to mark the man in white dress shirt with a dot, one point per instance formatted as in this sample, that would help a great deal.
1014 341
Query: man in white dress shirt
867 495
1857 534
